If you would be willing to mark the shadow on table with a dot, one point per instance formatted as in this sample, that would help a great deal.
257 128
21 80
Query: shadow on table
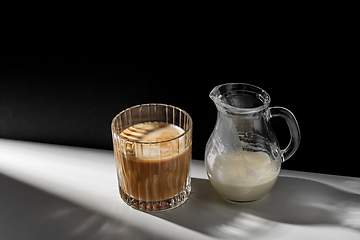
291 201
29 213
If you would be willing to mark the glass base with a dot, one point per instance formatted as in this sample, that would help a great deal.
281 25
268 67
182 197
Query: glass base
156 206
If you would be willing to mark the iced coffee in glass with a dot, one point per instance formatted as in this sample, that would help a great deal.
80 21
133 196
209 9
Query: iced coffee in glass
152 148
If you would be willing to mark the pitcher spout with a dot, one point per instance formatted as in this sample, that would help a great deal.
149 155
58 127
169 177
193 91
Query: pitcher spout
239 98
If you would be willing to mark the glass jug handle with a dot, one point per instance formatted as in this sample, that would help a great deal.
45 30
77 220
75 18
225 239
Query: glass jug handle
293 127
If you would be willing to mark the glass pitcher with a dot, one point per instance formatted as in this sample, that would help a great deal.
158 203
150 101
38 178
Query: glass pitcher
242 156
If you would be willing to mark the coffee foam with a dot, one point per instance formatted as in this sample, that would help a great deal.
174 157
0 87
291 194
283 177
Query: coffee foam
162 135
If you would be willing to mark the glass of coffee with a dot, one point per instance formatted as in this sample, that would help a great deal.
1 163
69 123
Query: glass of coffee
152 148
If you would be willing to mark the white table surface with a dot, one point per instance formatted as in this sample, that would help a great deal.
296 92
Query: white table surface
59 192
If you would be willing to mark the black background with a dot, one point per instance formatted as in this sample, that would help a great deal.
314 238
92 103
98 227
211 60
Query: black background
62 89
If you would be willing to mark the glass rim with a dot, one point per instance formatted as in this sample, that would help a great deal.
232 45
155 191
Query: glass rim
152 104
